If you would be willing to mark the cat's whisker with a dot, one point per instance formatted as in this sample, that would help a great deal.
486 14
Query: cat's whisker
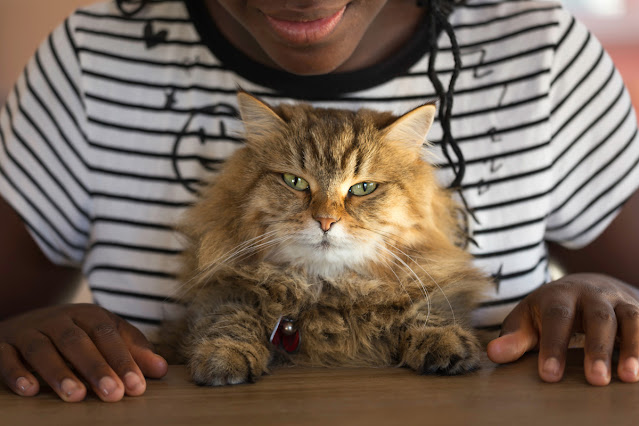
245 245
389 235
386 263
239 252
386 235
223 258
402 265
281 247
247 251
240 255
452 311
411 273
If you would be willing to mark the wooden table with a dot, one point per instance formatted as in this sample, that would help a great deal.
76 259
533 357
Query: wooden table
495 395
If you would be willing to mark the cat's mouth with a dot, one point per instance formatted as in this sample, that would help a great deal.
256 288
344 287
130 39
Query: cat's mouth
324 244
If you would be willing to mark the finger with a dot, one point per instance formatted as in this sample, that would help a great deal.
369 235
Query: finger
79 349
600 327
628 318
41 354
106 337
510 347
151 364
518 336
15 374
557 319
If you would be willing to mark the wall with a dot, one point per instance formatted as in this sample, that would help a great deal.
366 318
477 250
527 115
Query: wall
619 33
23 25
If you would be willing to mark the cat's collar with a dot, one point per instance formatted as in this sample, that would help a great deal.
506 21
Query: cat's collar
285 335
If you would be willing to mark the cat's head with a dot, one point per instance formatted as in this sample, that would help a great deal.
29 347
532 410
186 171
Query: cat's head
328 190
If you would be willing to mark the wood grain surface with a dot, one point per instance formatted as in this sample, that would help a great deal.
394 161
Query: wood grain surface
510 394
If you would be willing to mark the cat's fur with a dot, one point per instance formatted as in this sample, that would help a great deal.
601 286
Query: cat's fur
386 285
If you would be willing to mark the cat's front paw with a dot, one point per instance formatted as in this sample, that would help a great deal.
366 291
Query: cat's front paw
222 361
441 350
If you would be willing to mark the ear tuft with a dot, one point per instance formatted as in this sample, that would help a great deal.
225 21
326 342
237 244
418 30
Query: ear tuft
412 127
259 119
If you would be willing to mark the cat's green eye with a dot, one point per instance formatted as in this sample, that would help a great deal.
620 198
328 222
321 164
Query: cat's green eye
362 188
295 182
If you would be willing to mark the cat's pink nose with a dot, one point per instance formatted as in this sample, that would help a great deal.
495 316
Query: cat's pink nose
325 222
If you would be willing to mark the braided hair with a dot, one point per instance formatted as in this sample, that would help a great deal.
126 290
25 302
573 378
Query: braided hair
130 12
438 12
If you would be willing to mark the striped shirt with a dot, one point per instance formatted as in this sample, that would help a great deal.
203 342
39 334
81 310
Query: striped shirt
117 120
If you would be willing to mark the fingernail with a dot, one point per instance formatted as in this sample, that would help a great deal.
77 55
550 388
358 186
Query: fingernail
632 366
599 368
551 366
69 386
107 385
23 384
132 381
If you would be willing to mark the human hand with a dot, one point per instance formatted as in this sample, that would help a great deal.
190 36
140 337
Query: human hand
106 351
601 307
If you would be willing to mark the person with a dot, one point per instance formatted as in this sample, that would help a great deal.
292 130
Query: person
127 107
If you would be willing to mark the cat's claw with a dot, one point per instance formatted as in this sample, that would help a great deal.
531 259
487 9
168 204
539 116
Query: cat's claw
224 364
447 350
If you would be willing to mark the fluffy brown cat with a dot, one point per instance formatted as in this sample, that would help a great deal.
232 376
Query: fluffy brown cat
329 227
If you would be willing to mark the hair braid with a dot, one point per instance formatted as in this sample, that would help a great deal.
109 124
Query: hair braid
139 7
438 12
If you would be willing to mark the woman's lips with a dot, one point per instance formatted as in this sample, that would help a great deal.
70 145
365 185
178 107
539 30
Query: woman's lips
305 32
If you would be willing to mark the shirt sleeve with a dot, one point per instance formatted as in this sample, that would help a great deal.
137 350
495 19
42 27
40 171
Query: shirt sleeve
43 174
595 143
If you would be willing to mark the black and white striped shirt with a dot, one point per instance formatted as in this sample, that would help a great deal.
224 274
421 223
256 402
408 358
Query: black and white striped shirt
116 120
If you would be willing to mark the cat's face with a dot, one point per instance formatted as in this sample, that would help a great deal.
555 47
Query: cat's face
335 189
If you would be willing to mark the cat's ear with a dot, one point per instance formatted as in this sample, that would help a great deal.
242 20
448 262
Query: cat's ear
412 127
258 118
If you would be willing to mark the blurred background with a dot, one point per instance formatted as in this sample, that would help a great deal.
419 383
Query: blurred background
25 23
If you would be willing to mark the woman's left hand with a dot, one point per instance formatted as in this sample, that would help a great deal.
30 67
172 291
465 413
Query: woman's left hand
603 308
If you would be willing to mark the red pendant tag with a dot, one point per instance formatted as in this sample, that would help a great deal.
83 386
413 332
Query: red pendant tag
286 336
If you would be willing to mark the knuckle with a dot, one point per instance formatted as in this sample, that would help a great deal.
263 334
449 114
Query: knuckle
88 308
5 348
70 336
559 312
11 373
632 347
602 315
98 367
628 313
34 346
597 291
121 363
555 345
597 349
564 285
104 331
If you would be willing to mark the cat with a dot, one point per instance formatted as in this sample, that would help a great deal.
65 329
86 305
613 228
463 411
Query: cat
326 241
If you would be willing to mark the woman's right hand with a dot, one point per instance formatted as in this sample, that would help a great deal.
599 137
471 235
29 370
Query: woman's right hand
63 343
